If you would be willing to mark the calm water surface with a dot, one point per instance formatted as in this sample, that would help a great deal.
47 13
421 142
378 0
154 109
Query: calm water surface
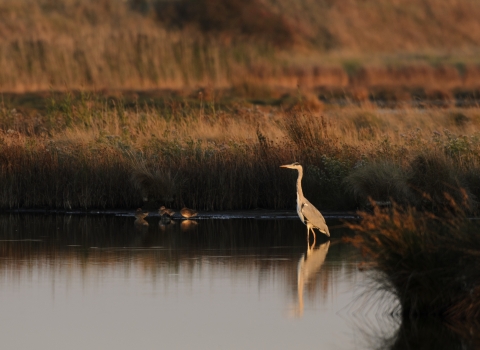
100 283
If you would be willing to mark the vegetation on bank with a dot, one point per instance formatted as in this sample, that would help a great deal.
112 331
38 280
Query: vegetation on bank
86 151
429 262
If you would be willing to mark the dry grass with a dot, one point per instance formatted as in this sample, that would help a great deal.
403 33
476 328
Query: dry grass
79 149
111 44
428 261
367 26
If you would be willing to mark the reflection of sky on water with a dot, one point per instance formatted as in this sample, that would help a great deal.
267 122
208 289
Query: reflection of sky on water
99 283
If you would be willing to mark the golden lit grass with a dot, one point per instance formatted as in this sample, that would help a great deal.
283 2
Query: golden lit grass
99 44
357 26
108 44
85 151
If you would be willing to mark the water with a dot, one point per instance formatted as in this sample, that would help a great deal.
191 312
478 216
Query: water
73 282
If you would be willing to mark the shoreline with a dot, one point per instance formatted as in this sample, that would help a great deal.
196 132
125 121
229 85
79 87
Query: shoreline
219 215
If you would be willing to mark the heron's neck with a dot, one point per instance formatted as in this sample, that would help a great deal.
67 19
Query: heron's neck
299 184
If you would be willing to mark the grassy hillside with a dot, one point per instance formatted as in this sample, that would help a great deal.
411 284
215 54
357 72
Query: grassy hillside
144 44
378 26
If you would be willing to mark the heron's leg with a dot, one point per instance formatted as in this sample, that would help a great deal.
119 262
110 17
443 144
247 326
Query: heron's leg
314 238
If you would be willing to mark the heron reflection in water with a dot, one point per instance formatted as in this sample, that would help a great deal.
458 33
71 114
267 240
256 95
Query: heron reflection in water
307 212
308 267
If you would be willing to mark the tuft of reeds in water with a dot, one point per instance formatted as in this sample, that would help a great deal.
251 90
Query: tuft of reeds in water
430 262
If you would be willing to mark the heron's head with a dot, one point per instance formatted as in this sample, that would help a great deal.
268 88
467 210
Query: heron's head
295 165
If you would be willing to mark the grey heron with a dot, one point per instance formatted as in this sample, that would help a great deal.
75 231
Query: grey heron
188 213
307 212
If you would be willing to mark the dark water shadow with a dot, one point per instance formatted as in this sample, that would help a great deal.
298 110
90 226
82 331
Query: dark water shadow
390 330
62 231
430 334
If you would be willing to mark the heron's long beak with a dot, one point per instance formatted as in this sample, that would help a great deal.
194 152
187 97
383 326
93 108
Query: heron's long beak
285 166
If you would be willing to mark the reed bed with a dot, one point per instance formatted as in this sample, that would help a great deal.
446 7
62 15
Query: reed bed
86 151
429 261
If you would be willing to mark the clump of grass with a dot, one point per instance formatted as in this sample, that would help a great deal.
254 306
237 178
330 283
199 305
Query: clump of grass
157 186
458 119
429 262
381 180
429 181
437 183
302 102
306 130
251 89
367 120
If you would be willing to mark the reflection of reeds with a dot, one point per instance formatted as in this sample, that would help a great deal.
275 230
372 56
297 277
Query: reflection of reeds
429 262
25 238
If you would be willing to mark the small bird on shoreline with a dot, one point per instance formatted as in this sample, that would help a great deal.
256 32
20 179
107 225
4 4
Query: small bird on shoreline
165 211
139 214
188 213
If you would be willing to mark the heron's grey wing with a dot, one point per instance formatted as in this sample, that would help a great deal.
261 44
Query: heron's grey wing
314 216
299 209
